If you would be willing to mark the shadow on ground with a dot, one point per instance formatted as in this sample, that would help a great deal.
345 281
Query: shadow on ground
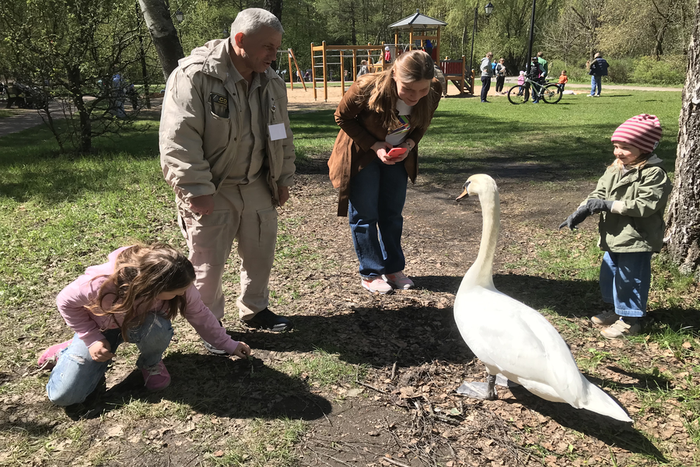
609 431
217 386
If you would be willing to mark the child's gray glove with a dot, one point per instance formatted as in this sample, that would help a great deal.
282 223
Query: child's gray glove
599 205
576 218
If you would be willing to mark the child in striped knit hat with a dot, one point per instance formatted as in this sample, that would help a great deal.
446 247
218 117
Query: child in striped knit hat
631 198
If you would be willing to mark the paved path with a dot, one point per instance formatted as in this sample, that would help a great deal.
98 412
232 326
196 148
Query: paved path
513 80
616 87
23 119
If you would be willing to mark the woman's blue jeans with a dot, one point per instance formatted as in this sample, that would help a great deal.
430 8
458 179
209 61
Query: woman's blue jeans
377 197
625 279
76 374
596 83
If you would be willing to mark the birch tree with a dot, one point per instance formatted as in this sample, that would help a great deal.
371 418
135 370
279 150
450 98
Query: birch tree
163 32
683 232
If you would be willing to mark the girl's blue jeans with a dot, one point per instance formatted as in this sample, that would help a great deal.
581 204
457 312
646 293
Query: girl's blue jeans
625 279
76 374
377 197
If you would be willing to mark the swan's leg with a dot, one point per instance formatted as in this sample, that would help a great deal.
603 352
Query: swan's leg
491 382
505 382
477 390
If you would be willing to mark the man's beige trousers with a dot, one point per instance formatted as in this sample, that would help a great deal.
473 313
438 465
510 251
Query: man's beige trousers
244 213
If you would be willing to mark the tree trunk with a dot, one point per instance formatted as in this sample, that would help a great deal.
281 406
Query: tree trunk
84 135
274 7
163 32
683 221
142 57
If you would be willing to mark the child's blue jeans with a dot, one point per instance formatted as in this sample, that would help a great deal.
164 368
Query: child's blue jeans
625 279
76 374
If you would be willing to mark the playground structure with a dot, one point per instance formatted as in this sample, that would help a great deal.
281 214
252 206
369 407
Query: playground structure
369 51
420 29
290 58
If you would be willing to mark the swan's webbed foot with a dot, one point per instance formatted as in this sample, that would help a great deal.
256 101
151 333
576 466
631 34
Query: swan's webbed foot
483 391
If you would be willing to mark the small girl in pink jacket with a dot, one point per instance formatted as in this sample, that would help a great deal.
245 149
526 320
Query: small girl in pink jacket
131 298
521 83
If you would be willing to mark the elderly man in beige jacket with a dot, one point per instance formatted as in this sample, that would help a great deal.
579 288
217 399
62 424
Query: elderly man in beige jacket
227 151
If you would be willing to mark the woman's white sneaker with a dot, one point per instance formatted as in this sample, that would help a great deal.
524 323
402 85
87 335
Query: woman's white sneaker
376 285
399 280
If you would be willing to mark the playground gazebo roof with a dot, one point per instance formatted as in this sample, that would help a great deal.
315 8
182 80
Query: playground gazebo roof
417 20
422 24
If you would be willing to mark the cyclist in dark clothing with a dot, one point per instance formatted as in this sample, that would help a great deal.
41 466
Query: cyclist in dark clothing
536 74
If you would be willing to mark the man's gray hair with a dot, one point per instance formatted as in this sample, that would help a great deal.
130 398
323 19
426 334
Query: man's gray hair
250 20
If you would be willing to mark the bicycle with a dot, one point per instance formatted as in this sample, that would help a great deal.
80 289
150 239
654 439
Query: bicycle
550 93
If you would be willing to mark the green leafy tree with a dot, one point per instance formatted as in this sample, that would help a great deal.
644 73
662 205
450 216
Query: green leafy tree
70 50
653 27
574 34
506 31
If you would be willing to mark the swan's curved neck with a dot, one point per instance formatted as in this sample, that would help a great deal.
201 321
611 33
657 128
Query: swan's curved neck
481 272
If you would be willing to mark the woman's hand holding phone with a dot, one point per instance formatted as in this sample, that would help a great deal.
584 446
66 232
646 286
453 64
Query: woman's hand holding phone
388 154
395 153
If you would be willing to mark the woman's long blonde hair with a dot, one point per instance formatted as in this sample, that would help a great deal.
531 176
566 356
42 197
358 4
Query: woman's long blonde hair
140 274
379 89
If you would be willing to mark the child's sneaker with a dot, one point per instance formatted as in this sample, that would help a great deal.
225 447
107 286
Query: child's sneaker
399 280
156 377
605 318
620 329
376 285
49 358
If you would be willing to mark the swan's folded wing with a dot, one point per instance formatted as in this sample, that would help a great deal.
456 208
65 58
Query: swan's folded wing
507 334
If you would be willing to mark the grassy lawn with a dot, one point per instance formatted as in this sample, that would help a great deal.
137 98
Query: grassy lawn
62 213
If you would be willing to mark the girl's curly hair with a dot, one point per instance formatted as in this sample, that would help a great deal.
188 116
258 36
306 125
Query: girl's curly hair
140 274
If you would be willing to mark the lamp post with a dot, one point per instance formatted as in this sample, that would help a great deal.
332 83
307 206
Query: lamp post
488 9
529 44
179 17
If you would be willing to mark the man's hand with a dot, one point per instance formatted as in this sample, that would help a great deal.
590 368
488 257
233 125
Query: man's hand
576 218
283 192
101 351
202 205
242 350
599 205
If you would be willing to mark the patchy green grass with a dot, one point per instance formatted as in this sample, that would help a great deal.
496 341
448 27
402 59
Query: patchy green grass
571 138
62 213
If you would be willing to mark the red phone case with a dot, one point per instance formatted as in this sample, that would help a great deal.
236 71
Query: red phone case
396 152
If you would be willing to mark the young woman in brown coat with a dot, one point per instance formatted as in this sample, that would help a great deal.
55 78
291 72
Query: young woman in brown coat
381 112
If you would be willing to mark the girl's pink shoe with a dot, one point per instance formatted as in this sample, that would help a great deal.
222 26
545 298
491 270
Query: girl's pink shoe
49 358
156 377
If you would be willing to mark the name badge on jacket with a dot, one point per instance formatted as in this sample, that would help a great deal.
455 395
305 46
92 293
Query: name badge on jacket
277 131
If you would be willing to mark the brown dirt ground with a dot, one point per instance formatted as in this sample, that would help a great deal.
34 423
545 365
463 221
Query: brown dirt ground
410 414
405 411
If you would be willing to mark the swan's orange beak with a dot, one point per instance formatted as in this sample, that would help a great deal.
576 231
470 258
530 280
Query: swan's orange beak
463 195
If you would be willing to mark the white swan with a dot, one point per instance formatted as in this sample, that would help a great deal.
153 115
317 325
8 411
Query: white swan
511 338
